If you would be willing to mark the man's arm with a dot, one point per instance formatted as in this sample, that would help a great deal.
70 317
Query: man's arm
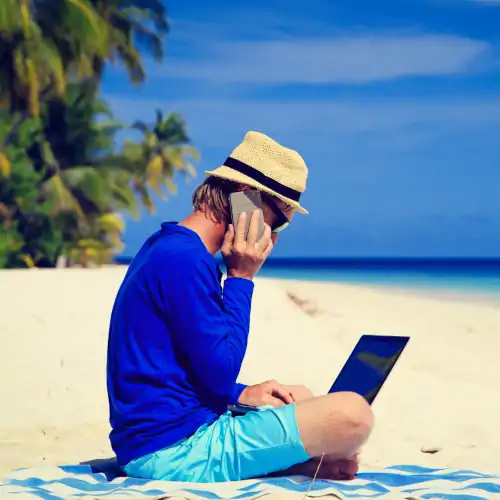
212 331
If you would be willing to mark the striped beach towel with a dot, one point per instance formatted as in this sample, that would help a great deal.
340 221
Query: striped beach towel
405 482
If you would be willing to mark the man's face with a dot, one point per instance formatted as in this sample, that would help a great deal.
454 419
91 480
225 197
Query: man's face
270 217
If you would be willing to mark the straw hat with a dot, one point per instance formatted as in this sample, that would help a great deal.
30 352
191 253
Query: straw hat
263 164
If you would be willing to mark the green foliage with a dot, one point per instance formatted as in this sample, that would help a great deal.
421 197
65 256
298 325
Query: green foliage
28 233
10 247
66 183
164 151
132 25
44 44
62 181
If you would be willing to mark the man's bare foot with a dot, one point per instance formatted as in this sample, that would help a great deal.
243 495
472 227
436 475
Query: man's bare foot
339 470
343 469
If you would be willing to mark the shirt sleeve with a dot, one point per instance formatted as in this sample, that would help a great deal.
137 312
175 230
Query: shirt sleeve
239 388
211 329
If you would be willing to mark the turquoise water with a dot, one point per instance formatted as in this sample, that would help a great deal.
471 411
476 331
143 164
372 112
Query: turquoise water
480 277
466 276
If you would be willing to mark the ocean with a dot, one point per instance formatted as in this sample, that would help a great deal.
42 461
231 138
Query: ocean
465 277
460 277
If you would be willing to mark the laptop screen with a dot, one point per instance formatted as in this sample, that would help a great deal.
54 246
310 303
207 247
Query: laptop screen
369 365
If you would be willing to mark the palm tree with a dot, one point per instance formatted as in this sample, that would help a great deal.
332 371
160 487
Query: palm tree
165 150
65 187
132 24
45 43
62 198
73 153
27 230
41 43
88 184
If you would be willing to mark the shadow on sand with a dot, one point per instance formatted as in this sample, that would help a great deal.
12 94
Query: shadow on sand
107 466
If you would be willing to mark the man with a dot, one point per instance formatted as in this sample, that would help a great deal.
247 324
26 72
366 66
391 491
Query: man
177 342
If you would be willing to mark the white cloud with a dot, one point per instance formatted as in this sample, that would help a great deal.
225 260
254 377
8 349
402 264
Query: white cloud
348 59
219 122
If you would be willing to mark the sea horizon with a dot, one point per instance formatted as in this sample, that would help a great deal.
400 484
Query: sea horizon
479 276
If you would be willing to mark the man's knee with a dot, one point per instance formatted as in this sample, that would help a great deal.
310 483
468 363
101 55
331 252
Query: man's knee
351 412
336 424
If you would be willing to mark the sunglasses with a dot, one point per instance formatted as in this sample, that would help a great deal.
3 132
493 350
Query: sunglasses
282 221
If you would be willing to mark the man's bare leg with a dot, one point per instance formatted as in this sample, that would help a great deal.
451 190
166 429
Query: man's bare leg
299 393
336 425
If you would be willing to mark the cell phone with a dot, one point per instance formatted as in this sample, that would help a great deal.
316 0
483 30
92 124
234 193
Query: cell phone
240 409
246 202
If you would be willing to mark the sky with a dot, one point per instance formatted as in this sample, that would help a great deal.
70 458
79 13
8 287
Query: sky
394 105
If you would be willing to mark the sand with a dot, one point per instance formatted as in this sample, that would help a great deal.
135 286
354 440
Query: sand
441 395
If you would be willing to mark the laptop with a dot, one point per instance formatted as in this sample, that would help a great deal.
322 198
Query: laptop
364 372
369 365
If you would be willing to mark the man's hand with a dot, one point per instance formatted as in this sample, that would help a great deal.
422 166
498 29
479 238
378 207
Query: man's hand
267 393
299 392
244 258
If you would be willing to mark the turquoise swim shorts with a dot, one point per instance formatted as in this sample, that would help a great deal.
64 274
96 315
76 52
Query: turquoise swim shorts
232 448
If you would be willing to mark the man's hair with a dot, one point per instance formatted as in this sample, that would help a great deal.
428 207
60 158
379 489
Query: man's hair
212 198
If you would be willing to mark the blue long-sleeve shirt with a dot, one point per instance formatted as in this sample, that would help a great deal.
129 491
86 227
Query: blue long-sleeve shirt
176 344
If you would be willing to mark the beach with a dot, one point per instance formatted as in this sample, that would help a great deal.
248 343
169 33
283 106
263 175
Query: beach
440 398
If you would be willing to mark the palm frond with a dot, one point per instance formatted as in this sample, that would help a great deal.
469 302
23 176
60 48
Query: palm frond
90 15
155 12
10 18
90 183
5 165
133 63
111 222
177 156
51 57
159 118
131 153
170 186
125 199
64 200
155 174
190 169
106 131
149 39
144 196
141 127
